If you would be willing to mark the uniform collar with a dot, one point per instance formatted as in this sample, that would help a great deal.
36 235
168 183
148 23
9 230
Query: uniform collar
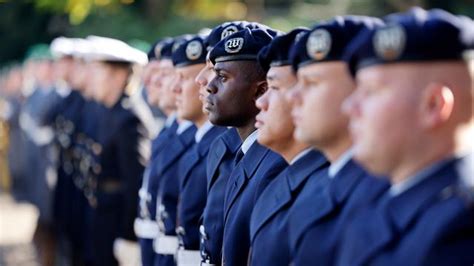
170 120
337 165
306 165
347 178
249 141
436 185
232 140
411 181
202 131
300 155
183 125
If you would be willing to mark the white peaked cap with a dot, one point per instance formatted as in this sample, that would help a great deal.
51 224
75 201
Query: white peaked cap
108 49
82 49
62 46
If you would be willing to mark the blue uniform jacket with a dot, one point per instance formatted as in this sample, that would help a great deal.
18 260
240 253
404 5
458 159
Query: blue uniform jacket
220 163
168 187
432 223
149 190
269 221
316 240
193 186
249 178
158 151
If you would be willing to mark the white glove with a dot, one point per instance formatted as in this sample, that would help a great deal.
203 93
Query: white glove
127 252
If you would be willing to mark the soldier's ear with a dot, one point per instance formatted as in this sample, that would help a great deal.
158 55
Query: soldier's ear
437 103
262 87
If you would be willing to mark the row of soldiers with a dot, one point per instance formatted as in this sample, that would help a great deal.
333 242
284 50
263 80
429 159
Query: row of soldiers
348 143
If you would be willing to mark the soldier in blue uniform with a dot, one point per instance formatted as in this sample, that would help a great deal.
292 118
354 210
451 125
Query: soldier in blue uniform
145 225
167 165
115 160
220 160
411 120
268 226
188 59
320 212
238 82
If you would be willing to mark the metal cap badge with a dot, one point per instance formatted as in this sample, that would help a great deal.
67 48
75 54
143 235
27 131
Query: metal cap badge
389 42
194 50
319 44
229 31
234 45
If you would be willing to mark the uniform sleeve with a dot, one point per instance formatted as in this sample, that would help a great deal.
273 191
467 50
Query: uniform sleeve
132 160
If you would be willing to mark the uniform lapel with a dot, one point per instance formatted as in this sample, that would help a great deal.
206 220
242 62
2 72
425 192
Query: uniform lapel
176 147
315 202
216 155
190 160
242 173
200 151
280 192
276 196
228 143
377 233
395 214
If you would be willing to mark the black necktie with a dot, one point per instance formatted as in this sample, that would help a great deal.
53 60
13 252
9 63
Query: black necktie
238 157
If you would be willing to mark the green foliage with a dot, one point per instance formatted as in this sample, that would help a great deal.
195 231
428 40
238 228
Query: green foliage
26 22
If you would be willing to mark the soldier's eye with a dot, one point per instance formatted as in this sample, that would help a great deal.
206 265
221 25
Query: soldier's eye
222 77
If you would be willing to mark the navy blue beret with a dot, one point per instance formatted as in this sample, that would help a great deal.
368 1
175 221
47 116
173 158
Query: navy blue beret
190 52
417 35
151 53
277 53
224 30
328 40
242 45
155 50
165 49
228 28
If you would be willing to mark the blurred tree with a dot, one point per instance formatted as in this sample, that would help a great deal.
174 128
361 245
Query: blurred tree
22 25
25 22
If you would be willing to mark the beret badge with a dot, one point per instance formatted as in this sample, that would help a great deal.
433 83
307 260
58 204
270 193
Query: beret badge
234 45
318 44
194 50
229 31
157 50
389 42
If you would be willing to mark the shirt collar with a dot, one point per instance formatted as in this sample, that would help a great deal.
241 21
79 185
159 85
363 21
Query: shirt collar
337 165
249 141
202 131
300 155
399 188
170 120
183 125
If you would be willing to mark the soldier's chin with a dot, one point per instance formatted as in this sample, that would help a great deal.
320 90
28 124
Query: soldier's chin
300 135
367 160
214 118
